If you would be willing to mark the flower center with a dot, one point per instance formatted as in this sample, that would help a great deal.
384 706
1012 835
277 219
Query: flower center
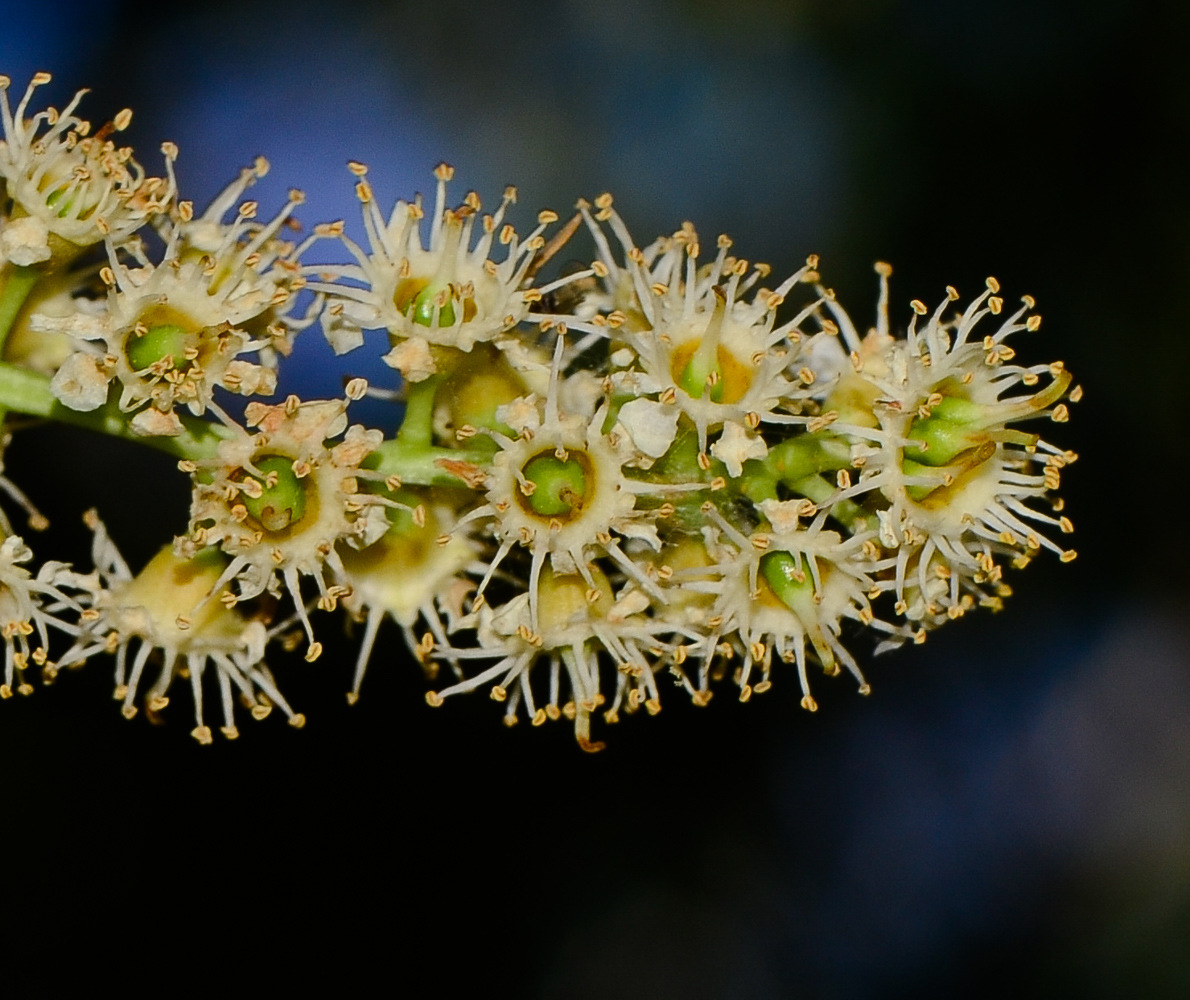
61 200
791 585
561 488
695 371
946 433
418 299
282 501
72 192
166 334
952 436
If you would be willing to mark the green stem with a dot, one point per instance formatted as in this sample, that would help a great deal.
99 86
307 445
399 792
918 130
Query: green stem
847 512
15 285
421 466
411 456
758 482
805 455
27 392
798 464
791 462
417 426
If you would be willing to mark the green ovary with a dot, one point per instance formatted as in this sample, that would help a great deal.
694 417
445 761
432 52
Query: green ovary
423 307
949 430
780 571
57 199
166 339
63 201
690 368
282 504
560 485
955 438
165 332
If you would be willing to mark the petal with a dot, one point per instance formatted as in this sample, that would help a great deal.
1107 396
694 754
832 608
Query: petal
651 425
25 241
412 358
80 383
736 446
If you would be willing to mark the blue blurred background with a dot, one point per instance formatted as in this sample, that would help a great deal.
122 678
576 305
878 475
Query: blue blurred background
1009 810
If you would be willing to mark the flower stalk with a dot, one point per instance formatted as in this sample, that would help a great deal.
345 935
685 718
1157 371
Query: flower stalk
15 285
665 467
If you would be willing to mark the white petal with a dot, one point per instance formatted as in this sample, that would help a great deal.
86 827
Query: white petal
80 383
375 524
78 324
736 446
635 383
563 563
827 358
521 414
25 241
781 514
644 531
152 422
652 426
632 603
342 333
412 358
581 392
249 378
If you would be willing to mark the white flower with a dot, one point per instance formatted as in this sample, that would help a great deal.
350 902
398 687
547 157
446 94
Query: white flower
79 187
779 590
23 612
250 255
576 619
277 502
935 441
560 490
171 332
699 343
145 608
415 568
447 292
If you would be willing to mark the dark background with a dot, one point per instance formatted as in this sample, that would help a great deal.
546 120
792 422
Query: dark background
1010 808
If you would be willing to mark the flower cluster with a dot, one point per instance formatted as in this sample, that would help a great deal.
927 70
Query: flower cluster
663 461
